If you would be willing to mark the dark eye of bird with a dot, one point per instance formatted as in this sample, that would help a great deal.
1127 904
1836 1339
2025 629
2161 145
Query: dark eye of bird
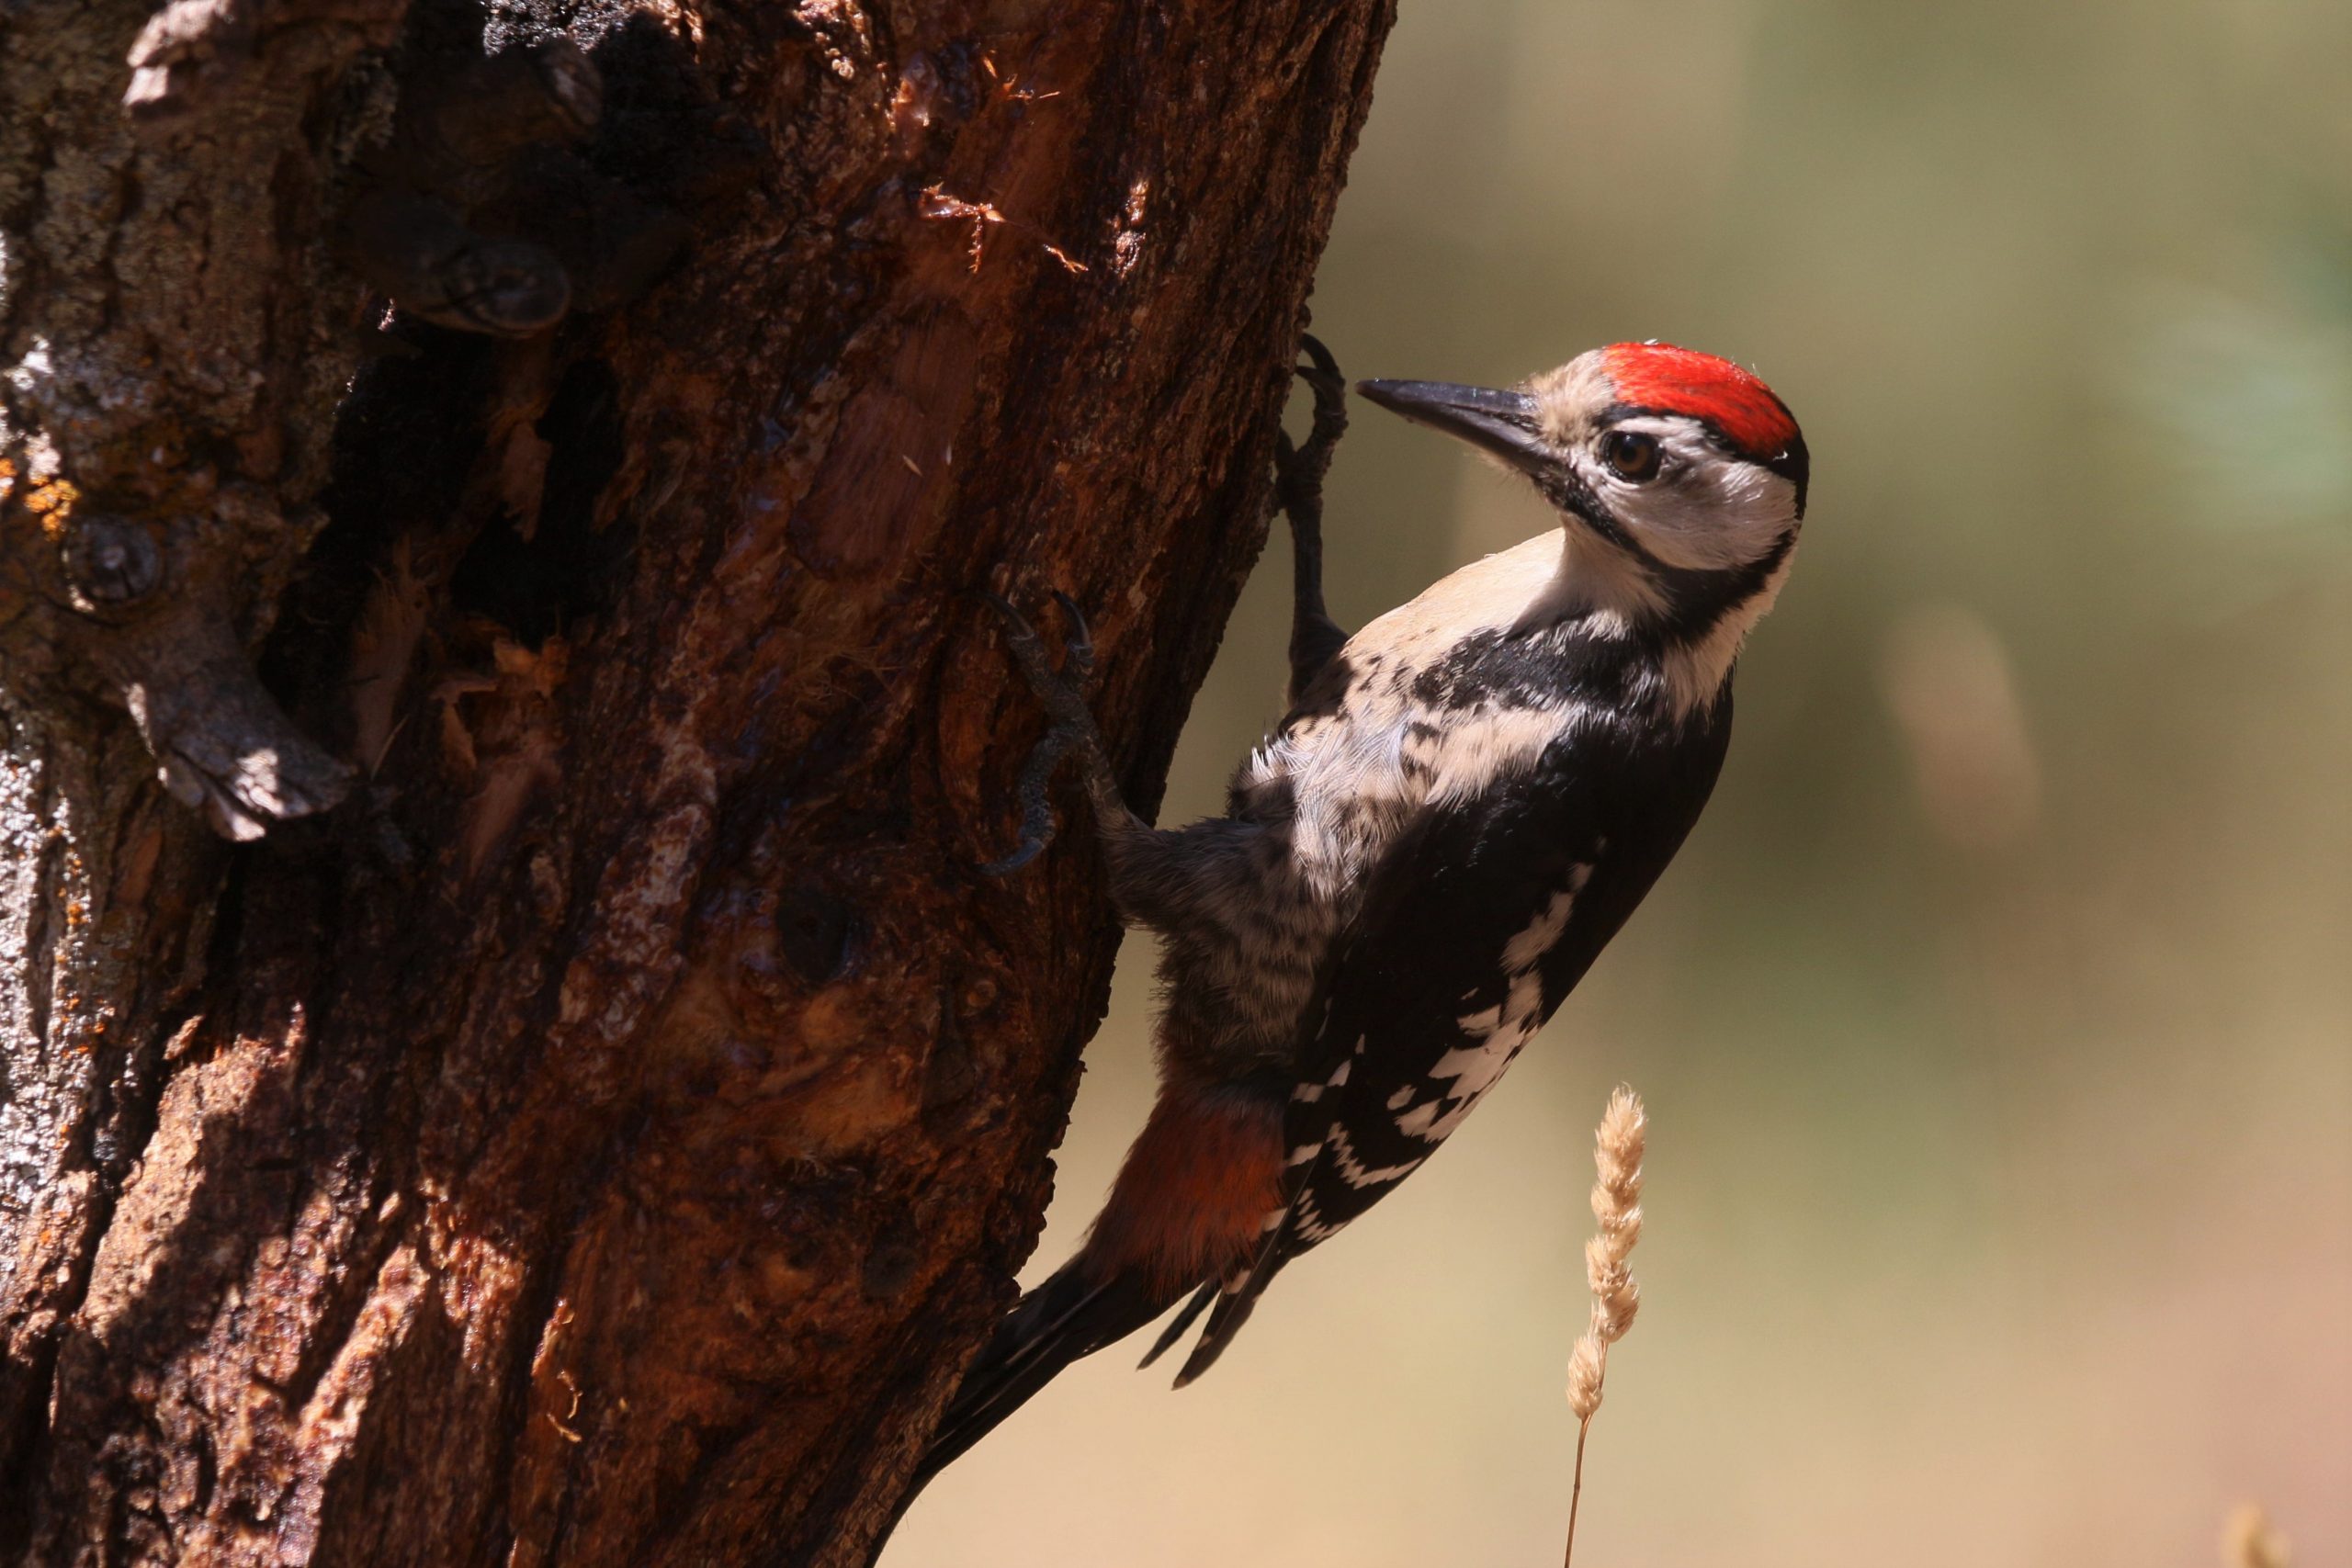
1631 455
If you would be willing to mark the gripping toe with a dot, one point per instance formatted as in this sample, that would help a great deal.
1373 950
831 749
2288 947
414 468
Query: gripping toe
1069 723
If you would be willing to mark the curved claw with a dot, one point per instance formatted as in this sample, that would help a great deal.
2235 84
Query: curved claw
1037 834
1061 692
1325 368
1299 469
1331 388
1020 638
1078 650
1029 849
1037 825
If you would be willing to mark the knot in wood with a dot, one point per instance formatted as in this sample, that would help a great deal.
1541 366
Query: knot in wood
507 287
575 89
113 561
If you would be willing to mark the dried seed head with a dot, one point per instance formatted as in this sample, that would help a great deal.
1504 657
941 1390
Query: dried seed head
2251 1542
1615 1296
1617 1152
1617 1215
1586 1364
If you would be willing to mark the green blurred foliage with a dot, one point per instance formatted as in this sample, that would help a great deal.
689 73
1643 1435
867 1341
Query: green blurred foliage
1996 1023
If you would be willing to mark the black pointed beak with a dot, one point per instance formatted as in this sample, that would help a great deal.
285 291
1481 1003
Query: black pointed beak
1498 422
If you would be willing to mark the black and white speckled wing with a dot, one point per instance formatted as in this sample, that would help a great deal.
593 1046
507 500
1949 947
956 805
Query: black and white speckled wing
1474 926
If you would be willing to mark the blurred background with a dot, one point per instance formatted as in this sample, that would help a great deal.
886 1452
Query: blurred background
1995 1024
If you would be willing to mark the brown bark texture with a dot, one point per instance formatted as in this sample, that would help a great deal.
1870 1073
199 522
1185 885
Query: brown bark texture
506 1052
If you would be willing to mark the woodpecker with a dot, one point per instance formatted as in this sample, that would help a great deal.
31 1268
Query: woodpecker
1465 802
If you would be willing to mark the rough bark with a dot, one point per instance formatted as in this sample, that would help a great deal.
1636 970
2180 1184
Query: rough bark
595 1105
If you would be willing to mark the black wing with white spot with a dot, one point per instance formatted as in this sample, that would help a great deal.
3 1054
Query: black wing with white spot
1478 922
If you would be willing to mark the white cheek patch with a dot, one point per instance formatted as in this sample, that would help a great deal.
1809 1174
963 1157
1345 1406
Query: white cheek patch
1707 511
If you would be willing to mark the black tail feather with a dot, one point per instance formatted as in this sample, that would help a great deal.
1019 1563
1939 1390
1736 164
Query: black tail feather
1233 1307
1070 1316
1180 1323
1232 1311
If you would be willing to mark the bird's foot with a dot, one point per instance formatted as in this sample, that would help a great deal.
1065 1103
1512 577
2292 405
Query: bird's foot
1299 471
1315 637
1069 724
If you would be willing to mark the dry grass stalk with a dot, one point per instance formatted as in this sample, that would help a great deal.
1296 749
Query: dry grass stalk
2251 1541
1617 1215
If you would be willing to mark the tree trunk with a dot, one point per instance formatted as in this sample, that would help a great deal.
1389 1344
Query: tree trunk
508 1051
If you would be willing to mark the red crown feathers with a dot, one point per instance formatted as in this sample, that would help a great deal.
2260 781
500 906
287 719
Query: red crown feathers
1681 381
